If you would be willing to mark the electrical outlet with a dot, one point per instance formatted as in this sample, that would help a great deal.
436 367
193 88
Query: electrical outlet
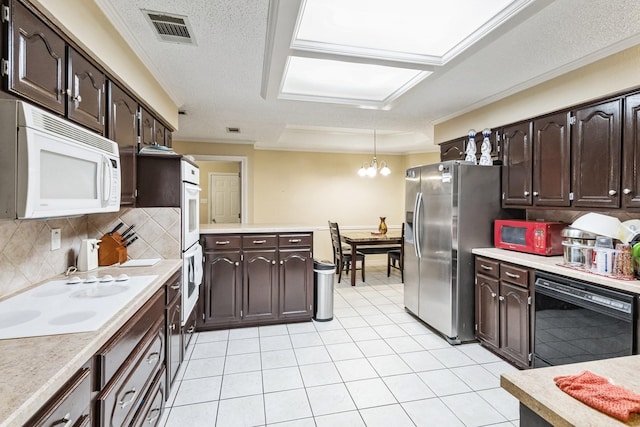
56 238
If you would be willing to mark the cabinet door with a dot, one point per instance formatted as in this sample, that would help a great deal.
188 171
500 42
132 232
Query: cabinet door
260 296
296 283
86 88
487 310
517 164
596 155
159 132
37 60
222 296
168 138
552 161
453 150
514 322
631 149
123 129
147 128
174 340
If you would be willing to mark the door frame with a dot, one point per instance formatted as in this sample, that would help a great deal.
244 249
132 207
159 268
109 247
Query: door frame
243 177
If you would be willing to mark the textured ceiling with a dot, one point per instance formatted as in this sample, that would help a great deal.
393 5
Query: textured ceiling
232 76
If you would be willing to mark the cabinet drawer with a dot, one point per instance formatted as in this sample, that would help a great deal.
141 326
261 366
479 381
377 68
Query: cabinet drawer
259 241
221 242
70 405
516 275
295 240
487 267
151 411
117 350
118 402
173 287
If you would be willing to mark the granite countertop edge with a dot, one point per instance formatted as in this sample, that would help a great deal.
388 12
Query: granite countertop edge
30 379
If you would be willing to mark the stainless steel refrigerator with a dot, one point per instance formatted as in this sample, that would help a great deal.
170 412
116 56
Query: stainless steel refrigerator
449 210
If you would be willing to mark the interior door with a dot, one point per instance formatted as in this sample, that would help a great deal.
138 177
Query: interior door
224 198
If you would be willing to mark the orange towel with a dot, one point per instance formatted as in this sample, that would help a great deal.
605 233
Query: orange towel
600 394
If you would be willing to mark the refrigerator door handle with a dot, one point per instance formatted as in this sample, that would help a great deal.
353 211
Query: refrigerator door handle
416 225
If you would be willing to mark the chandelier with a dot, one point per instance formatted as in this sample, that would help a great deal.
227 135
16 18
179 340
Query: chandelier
372 169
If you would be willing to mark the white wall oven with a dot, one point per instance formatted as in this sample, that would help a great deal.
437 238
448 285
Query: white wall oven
191 249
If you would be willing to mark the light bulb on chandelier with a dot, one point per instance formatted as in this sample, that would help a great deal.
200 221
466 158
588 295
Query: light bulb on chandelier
371 169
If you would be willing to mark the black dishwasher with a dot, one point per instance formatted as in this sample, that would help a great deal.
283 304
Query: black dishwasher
578 322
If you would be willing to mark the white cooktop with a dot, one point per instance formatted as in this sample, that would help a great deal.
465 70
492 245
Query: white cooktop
68 306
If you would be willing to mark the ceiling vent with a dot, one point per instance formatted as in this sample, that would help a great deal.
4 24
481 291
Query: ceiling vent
233 130
170 28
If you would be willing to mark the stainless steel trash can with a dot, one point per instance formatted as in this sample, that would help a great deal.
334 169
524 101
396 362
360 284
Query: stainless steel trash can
323 275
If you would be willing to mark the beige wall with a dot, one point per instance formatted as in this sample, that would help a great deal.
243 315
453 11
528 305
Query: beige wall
290 187
89 27
613 74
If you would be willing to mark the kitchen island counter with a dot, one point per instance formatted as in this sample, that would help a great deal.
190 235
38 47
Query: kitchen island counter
553 264
253 228
536 390
33 369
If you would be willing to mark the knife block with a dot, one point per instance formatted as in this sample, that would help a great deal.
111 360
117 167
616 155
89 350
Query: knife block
111 250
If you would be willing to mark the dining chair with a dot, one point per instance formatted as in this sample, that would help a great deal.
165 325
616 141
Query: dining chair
395 258
342 254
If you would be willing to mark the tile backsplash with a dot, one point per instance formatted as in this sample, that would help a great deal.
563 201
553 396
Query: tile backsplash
26 257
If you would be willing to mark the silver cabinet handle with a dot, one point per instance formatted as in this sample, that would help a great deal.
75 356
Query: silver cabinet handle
155 355
281 262
501 298
153 415
273 262
77 98
612 192
191 329
535 194
259 242
66 420
627 191
513 276
493 295
295 240
222 242
526 193
175 287
486 267
237 263
124 403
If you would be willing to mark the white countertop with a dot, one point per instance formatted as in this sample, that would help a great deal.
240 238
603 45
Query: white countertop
554 265
253 228
33 369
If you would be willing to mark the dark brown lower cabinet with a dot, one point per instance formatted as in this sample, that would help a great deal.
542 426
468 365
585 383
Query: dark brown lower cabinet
254 279
70 406
503 309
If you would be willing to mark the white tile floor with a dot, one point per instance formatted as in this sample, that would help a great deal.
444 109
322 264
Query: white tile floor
373 365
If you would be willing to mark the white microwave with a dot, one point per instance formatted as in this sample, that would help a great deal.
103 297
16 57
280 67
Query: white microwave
50 167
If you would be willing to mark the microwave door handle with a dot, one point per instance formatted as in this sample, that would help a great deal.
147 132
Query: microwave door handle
416 225
108 179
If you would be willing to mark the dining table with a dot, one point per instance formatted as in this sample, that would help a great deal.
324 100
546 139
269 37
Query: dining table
370 239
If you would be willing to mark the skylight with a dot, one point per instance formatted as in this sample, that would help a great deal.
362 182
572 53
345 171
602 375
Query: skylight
324 80
419 31
369 52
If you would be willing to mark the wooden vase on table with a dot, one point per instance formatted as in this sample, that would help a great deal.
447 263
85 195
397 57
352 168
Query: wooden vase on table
382 228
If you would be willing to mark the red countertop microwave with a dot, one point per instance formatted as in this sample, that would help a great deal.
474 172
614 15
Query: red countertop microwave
533 237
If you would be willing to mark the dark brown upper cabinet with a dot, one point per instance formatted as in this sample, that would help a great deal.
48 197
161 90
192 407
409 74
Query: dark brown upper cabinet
453 150
36 58
152 132
631 153
596 147
45 70
123 128
517 162
86 99
552 160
